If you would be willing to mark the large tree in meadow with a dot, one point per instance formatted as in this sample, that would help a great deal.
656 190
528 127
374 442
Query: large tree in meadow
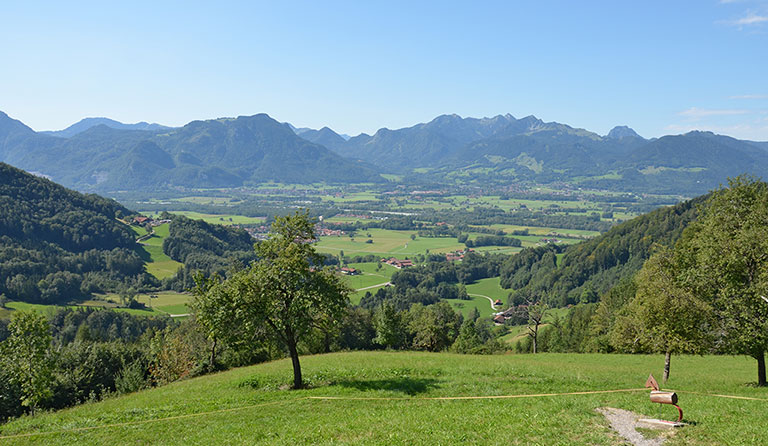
724 260
663 316
284 294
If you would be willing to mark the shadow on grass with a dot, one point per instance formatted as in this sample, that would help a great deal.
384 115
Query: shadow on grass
408 386
142 253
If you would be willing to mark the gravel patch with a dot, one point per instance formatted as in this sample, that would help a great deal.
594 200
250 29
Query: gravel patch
624 423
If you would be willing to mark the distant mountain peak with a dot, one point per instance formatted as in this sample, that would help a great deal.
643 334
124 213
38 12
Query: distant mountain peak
90 122
622 131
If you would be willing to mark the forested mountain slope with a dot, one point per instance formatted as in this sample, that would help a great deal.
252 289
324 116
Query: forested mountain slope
591 268
206 248
58 244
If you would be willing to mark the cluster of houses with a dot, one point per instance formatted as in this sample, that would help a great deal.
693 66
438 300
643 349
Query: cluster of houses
397 263
549 240
454 256
326 232
143 221
458 255
348 271
519 312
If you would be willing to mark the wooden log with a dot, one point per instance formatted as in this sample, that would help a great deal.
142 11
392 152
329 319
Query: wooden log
663 397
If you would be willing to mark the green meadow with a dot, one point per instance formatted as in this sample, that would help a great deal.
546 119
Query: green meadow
371 279
386 242
479 292
407 398
169 302
151 250
219 219
49 309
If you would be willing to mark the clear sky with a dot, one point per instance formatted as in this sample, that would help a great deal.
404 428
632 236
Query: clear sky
660 67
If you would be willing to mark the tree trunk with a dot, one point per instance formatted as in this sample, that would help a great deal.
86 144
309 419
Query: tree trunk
535 337
667 358
298 383
761 369
211 366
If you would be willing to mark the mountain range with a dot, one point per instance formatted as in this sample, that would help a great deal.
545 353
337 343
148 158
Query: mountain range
503 149
102 155
227 152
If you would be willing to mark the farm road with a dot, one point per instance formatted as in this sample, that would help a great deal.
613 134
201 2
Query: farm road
489 299
374 286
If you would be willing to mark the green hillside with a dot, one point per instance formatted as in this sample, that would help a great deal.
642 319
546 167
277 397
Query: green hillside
57 245
406 398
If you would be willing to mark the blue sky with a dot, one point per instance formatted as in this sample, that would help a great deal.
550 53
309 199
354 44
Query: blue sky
660 67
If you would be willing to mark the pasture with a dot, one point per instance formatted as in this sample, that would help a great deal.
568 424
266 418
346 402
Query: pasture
218 219
368 280
480 291
386 243
168 302
375 398
151 250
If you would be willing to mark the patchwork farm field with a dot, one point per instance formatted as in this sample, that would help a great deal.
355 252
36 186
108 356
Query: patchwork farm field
418 398
386 242
393 243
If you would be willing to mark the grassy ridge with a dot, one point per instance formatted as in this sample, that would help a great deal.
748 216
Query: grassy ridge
287 417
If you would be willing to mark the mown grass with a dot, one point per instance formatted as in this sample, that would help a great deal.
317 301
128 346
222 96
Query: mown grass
246 406
465 307
483 287
370 276
151 250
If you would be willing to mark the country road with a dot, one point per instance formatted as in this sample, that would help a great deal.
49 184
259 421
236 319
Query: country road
374 286
493 308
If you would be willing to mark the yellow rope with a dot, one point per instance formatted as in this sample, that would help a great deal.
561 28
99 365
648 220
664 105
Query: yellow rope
342 398
487 397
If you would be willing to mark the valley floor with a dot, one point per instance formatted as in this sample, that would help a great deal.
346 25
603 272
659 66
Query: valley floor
394 398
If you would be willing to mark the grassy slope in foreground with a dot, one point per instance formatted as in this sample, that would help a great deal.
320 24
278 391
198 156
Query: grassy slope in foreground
288 417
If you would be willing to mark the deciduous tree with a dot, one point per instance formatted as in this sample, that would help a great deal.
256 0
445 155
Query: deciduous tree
725 254
26 354
287 291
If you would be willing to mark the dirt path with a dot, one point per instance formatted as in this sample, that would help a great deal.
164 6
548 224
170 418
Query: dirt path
374 286
493 307
624 423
